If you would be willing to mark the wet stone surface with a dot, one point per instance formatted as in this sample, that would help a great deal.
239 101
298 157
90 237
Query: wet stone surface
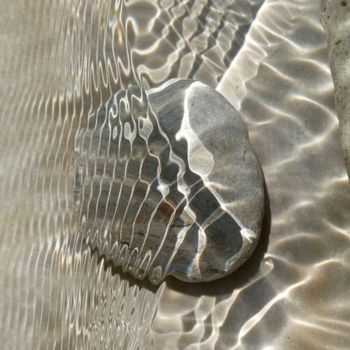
167 183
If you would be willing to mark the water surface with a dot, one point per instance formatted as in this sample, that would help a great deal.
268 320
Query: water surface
59 61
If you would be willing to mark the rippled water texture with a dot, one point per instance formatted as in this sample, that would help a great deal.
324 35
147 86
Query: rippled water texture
59 61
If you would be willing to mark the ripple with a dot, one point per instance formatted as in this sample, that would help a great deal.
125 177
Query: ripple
146 164
60 61
296 140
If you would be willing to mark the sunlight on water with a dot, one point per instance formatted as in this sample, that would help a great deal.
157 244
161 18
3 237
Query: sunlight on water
158 192
60 61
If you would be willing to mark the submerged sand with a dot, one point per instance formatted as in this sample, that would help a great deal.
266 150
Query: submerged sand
58 62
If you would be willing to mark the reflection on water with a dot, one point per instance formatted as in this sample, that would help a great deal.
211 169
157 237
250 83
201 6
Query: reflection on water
59 61
157 191
296 298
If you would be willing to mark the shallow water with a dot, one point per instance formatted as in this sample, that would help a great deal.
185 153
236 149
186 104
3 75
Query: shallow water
58 62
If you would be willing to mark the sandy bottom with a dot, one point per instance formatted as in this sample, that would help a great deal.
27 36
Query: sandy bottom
58 62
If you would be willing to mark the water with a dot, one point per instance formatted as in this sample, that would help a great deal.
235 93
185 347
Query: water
158 193
59 61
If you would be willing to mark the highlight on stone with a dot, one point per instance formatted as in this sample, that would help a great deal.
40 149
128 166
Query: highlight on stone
167 183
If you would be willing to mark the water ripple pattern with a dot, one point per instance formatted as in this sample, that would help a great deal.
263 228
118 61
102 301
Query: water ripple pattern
59 61
292 294
159 193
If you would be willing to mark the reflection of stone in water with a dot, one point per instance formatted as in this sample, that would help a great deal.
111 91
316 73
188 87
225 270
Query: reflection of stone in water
167 183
